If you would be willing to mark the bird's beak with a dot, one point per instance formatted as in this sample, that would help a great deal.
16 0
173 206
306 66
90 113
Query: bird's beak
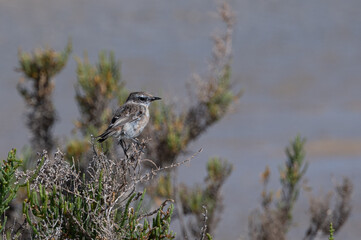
155 98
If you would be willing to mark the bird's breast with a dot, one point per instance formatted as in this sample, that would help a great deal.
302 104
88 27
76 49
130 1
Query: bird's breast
134 128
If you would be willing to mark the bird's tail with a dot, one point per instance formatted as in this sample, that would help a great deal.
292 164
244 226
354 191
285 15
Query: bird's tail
104 136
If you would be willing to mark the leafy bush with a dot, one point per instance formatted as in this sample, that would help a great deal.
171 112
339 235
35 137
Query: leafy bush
62 203
40 68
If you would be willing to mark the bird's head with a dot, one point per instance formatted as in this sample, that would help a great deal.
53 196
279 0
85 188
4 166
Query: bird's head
142 97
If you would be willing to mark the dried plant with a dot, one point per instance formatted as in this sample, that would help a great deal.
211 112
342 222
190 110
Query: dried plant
273 222
40 69
172 131
102 203
322 214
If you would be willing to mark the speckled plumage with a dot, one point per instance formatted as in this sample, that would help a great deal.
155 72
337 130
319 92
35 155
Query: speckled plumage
130 119
128 122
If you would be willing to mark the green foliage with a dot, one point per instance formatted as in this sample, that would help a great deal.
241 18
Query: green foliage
70 214
159 229
193 199
175 135
173 131
39 68
60 203
220 95
295 166
43 63
160 226
331 232
8 185
97 85
176 130
218 170
102 78
169 131
291 174
274 222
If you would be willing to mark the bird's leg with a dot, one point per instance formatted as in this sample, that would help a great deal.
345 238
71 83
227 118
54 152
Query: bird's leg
123 145
141 148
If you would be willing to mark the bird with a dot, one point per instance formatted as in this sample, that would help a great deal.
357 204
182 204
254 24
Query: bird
129 119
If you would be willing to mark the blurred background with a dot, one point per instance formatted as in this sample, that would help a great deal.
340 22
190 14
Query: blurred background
297 62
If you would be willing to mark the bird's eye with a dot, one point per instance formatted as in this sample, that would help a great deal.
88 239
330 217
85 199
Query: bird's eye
142 98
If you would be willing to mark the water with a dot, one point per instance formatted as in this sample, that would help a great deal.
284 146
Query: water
298 63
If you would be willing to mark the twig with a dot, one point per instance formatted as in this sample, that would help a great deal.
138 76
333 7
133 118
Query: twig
155 211
204 227
154 172
150 161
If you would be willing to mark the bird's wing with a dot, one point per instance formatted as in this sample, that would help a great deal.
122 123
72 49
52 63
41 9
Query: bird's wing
127 113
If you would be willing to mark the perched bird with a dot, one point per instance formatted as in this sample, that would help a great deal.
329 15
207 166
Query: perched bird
130 119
